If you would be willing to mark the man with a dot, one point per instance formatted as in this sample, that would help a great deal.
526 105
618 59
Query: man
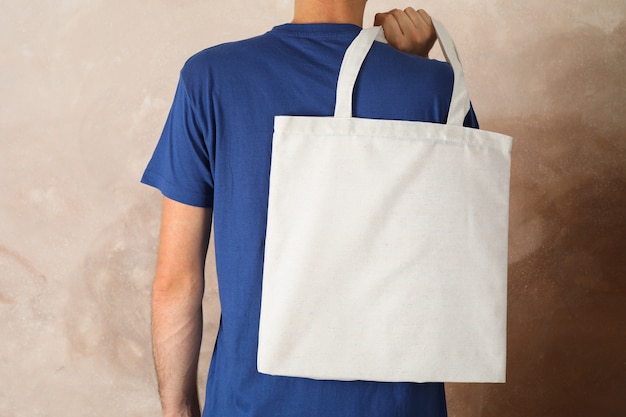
212 161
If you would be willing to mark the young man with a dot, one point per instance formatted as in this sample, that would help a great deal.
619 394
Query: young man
213 161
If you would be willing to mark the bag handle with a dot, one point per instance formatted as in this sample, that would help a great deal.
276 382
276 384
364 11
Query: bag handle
358 50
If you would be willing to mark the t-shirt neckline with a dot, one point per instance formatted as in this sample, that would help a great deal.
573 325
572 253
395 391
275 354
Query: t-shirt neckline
332 30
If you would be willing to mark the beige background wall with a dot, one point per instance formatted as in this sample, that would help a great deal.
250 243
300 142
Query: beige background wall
84 90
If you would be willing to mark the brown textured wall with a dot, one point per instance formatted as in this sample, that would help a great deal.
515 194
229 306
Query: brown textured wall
85 88
565 105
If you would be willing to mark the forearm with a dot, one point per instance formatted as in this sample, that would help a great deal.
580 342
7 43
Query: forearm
177 305
176 337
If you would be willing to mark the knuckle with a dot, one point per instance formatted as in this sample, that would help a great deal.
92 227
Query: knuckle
415 37
403 44
425 15
384 20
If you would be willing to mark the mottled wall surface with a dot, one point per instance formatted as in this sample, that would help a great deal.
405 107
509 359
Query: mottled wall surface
85 87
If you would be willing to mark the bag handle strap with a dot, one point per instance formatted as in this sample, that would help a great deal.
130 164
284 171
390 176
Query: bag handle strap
358 50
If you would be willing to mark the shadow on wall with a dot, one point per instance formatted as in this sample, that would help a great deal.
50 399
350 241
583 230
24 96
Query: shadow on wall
567 287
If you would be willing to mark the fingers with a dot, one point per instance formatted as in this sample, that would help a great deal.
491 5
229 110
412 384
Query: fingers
390 25
425 17
379 18
418 20
408 30
423 23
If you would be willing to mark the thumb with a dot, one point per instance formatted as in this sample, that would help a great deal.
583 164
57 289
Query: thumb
379 18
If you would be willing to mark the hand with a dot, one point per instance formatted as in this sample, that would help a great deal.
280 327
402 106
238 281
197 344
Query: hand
409 31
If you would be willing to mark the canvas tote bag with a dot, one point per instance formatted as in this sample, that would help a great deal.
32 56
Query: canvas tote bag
386 247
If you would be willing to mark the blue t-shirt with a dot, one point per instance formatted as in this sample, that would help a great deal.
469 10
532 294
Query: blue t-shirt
215 152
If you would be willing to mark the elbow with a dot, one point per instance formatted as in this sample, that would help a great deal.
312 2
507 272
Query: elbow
172 284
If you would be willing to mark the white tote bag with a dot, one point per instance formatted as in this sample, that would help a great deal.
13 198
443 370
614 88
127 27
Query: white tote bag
386 247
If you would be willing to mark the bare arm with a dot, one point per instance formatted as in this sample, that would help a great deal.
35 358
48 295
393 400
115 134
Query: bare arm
408 30
177 305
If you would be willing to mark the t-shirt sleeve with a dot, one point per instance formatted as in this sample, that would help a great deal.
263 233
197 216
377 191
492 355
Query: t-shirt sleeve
181 165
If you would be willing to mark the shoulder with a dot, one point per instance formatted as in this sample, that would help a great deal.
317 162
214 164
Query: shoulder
411 66
208 70
408 74
404 86
231 53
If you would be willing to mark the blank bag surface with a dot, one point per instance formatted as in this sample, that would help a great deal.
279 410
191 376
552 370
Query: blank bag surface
386 246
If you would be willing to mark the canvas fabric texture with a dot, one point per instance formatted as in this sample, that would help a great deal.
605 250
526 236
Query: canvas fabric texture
386 243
